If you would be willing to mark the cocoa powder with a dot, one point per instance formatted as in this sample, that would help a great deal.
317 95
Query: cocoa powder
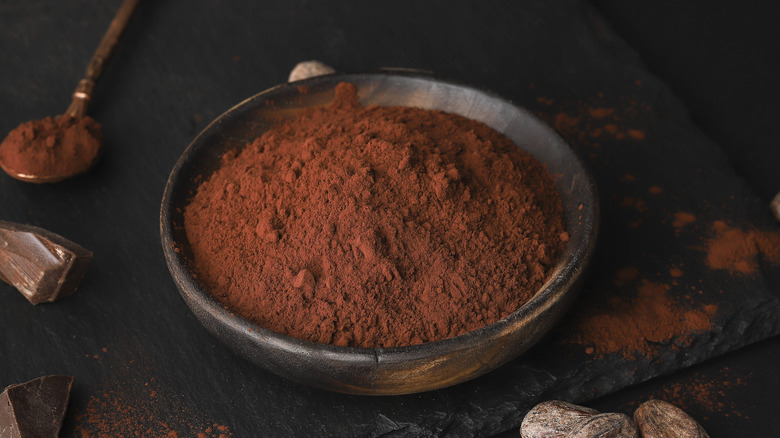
62 145
703 394
634 326
376 226
739 251
141 412
132 401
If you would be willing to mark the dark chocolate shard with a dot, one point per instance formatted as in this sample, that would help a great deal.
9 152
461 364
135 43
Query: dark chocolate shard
42 265
35 409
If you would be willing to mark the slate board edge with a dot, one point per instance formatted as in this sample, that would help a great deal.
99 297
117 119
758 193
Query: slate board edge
743 328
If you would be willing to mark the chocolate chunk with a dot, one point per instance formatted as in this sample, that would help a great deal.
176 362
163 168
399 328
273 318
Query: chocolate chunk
35 409
42 265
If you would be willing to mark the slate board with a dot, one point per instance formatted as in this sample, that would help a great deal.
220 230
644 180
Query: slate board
143 363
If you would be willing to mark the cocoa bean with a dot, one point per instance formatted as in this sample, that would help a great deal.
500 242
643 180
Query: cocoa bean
660 419
610 425
775 206
308 69
554 419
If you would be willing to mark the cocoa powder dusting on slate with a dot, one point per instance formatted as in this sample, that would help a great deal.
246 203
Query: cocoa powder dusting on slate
141 411
376 226
739 251
587 124
683 218
710 396
133 402
633 325
702 395
646 314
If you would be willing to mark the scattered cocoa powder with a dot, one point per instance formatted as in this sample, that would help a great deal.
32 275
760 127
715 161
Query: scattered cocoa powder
634 202
682 219
705 393
565 122
625 276
140 411
132 402
62 145
629 322
675 272
376 226
738 250
702 394
634 325
589 123
599 113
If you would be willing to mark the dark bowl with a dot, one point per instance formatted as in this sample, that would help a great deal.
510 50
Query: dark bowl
397 370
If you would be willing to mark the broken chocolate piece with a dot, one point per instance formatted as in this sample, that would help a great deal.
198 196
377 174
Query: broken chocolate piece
42 265
35 409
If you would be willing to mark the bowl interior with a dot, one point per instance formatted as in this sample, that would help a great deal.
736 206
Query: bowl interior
395 370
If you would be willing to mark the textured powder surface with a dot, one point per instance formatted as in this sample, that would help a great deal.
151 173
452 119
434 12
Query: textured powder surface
376 226
60 145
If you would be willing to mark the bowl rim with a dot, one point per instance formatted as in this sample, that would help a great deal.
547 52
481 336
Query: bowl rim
565 274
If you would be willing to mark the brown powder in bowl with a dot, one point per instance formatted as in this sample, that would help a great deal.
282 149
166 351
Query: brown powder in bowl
376 226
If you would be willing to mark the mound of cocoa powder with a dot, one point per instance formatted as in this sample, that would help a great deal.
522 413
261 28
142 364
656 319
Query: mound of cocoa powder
61 145
375 226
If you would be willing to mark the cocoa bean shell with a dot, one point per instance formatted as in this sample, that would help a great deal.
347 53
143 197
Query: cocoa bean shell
660 419
610 425
554 419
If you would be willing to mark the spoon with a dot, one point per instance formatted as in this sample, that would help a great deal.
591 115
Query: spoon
39 139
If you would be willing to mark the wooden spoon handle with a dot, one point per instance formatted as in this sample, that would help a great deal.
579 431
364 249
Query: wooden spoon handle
83 93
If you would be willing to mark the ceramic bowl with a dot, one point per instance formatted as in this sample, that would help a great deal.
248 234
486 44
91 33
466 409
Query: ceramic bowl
397 370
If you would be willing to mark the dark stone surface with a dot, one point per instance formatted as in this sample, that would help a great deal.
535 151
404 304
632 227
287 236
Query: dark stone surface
142 361
720 61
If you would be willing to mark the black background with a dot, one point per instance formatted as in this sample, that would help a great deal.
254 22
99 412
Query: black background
127 336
